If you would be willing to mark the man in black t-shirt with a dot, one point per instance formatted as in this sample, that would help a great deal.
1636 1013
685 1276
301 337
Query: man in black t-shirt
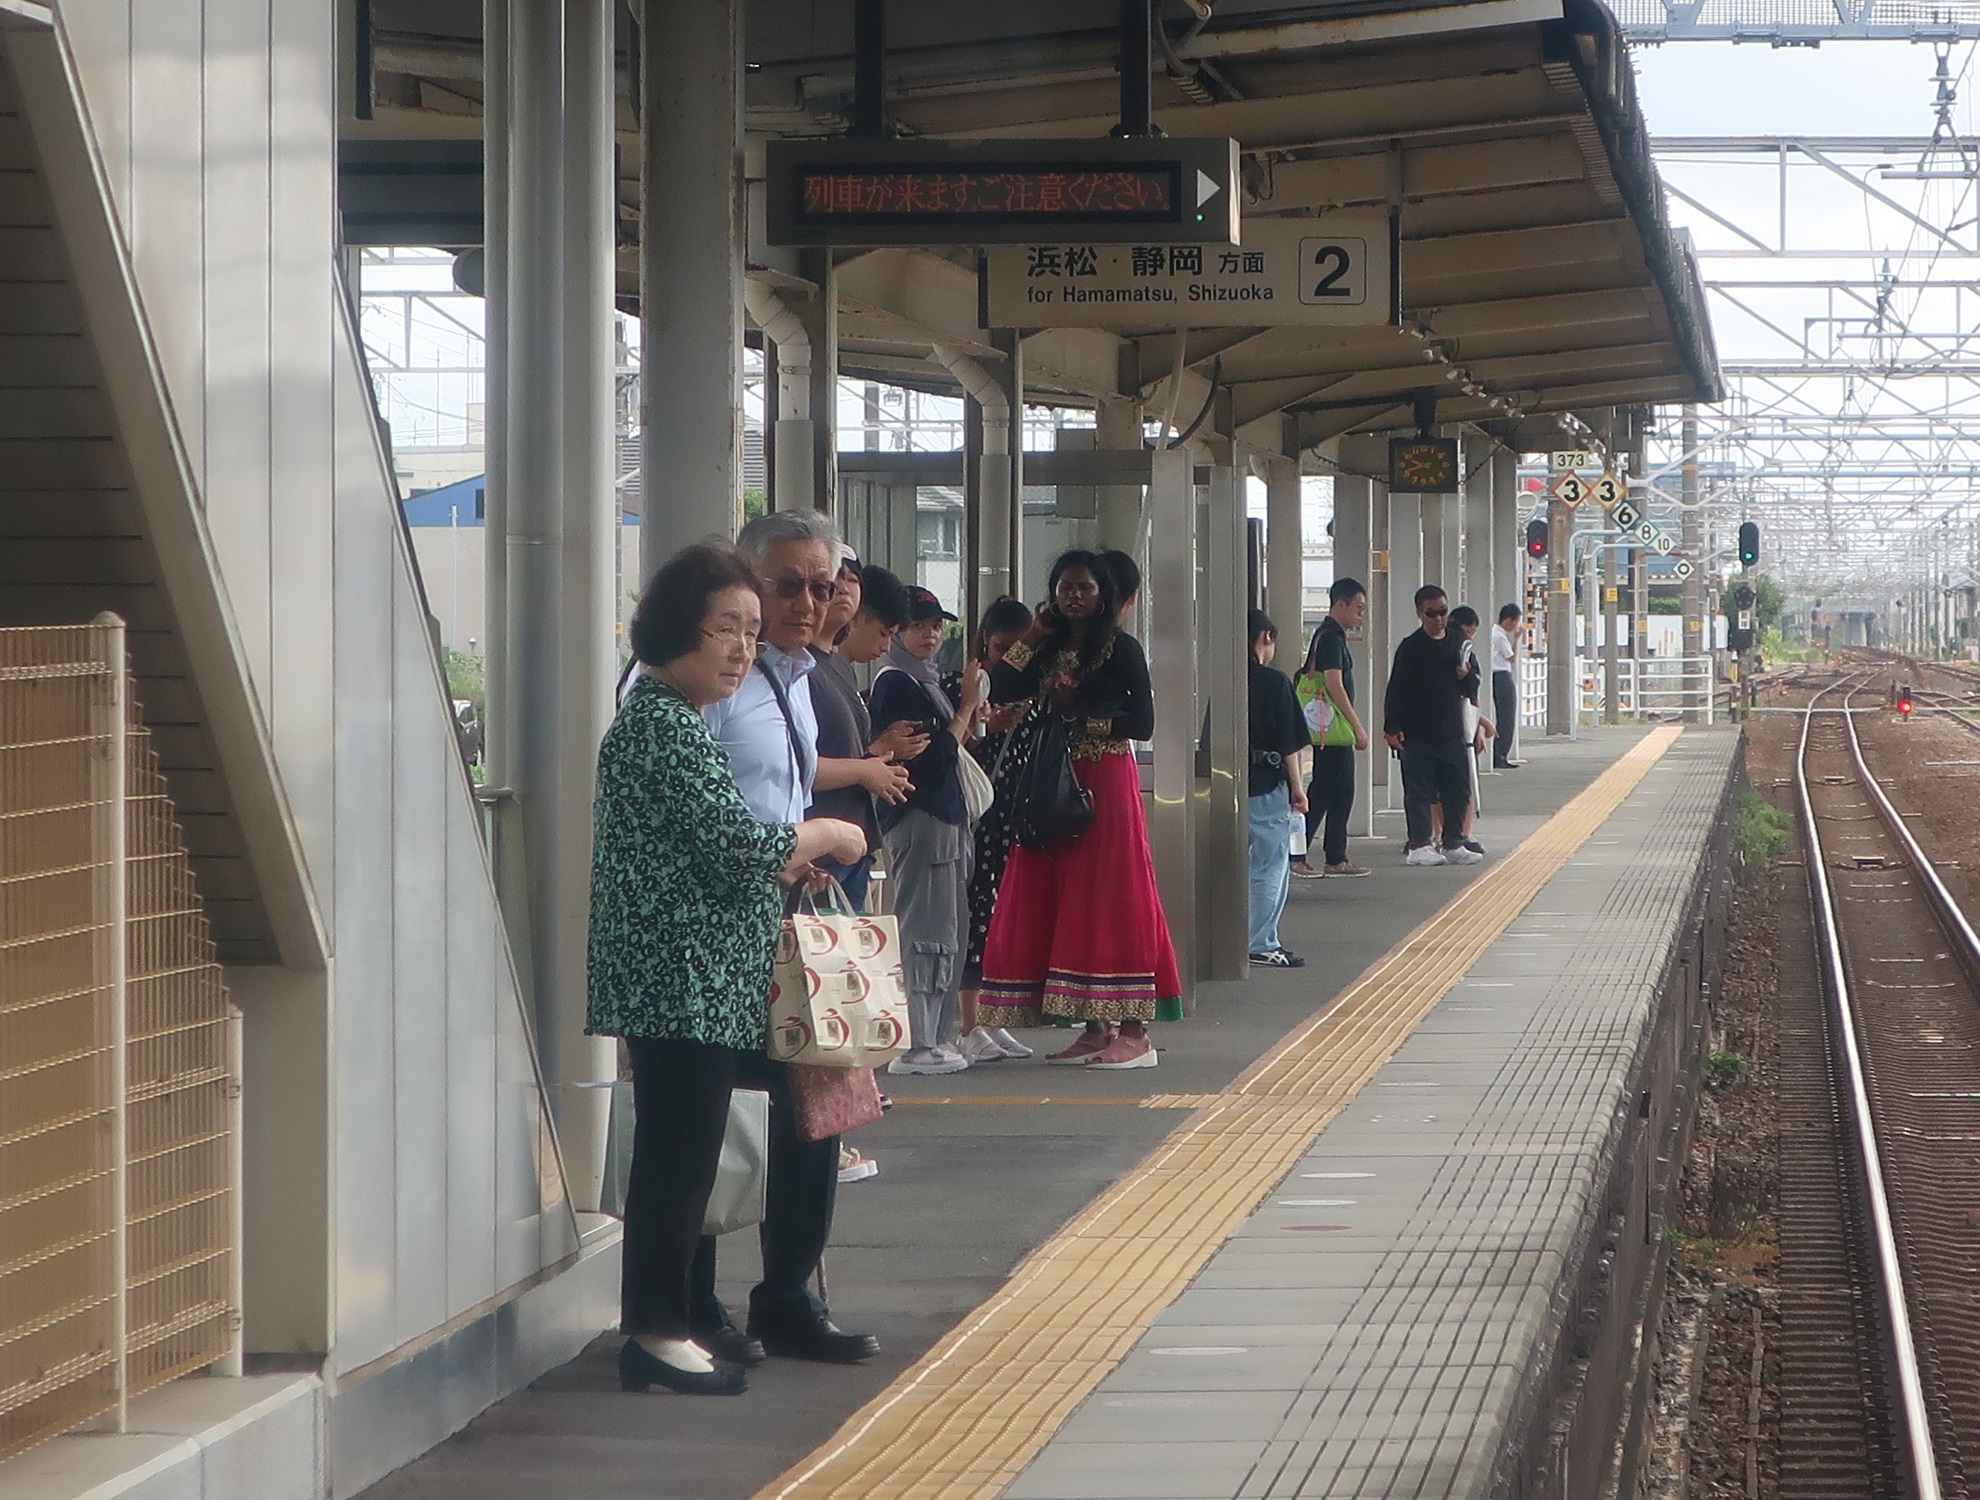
1423 719
1278 734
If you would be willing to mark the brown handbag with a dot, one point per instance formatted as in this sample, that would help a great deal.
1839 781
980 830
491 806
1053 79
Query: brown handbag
830 1101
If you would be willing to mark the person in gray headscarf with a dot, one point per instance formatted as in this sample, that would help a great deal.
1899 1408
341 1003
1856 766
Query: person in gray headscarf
928 835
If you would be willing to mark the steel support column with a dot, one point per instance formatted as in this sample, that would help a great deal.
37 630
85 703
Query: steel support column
1223 833
1171 585
1119 431
1352 559
1509 557
496 126
1285 558
1405 578
691 272
1479 580
587 610
1611 633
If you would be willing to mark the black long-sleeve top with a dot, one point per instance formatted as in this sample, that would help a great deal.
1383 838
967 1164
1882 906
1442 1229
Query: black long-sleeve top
934 783
1425 698
1114 700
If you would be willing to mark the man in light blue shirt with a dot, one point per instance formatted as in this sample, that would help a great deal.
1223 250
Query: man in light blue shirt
770 734
764 748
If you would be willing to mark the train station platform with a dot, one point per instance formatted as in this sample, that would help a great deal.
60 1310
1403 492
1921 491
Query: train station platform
1361 1233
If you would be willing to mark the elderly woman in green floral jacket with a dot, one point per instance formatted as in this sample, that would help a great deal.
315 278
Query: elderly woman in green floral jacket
685 909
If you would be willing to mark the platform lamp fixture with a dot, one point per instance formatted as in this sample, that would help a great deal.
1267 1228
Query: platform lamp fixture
1749 543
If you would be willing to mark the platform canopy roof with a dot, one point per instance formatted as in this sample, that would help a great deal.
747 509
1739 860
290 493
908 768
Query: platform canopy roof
1539 273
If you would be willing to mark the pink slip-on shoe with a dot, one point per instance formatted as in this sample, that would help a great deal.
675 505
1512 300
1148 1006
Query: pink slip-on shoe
1086 1045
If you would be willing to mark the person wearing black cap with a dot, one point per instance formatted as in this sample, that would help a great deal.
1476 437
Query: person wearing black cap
927 836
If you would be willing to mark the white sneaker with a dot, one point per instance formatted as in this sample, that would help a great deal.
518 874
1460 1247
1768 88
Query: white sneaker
1461 856
981 1047
953 1050
1428 854
1012 1047
927 1061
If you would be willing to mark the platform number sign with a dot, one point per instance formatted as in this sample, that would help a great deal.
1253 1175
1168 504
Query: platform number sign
1336 270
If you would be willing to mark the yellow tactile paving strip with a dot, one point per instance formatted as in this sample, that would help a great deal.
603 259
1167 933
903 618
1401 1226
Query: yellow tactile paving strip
967 1417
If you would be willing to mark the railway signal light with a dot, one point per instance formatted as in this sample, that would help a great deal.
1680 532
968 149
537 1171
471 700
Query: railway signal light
1903 700
1749 543
1536 538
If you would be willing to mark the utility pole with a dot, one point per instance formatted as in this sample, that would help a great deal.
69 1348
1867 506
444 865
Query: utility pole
1696 645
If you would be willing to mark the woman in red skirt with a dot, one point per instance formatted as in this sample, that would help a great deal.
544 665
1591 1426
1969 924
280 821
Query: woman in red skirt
1078 932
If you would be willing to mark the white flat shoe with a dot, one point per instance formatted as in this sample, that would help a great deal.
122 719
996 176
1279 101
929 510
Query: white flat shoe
1011 1046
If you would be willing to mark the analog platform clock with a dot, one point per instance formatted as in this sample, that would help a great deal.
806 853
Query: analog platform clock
1423 466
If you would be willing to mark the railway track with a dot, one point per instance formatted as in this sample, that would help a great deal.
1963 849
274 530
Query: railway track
1880 1238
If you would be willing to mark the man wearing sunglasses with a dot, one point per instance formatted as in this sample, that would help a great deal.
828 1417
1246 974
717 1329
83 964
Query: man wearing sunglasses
769 730
1423 721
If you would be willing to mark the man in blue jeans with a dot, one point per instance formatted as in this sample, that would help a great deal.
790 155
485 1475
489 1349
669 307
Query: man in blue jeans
1278 734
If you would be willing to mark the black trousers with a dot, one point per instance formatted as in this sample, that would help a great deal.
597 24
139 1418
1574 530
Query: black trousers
1329 800
1435 773
1505 700
681 1111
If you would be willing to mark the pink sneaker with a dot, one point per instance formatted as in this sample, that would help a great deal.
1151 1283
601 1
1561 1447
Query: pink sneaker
1125 1052
1087 1044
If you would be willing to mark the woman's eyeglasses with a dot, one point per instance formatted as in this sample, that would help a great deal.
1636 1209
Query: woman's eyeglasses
734 639
824 590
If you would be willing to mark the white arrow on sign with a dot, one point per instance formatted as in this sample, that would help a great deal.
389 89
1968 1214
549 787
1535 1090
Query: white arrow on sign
1207 187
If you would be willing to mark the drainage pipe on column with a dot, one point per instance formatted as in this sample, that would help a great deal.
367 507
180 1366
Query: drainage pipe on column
795 472
994 564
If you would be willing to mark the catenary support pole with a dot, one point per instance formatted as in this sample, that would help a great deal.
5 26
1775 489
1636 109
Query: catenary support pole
1696 641
820 314
1561 687
1611 633
587 612
1119 431
691 272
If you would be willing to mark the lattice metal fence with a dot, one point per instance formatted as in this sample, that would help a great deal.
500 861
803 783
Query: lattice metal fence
119 1057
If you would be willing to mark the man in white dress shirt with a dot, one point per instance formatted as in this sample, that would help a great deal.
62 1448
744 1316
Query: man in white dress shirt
1505 685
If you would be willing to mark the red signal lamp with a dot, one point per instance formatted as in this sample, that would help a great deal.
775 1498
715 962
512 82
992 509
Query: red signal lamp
1904 703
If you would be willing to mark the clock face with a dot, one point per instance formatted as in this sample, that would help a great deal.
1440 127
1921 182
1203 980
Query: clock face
1427 466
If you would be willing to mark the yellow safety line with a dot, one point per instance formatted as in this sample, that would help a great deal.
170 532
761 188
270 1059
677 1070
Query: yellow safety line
966 1418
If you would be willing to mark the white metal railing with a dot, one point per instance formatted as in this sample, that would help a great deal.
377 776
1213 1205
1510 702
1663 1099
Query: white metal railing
1532 692
1652 685
119 1057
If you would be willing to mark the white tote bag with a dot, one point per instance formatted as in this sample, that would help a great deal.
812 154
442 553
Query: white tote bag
838 994
741 1173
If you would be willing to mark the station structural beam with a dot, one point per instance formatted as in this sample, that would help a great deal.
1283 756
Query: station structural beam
1508 554
1560 619
1405 578
1697 644
1172 657
1352 559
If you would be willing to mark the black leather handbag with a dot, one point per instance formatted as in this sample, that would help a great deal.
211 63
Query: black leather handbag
1048 805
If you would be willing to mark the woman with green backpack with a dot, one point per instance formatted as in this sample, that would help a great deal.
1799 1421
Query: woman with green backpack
1325 689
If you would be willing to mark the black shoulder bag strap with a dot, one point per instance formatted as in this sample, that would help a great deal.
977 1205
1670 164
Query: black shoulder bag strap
790 724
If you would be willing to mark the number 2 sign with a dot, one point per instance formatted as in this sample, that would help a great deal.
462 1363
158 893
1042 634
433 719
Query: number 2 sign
1336 270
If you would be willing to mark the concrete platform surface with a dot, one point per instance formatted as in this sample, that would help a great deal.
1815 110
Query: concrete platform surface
1248 1372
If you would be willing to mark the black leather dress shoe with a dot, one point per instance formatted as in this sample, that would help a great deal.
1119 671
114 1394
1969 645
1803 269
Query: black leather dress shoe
639 1371
730 1344
814 1338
